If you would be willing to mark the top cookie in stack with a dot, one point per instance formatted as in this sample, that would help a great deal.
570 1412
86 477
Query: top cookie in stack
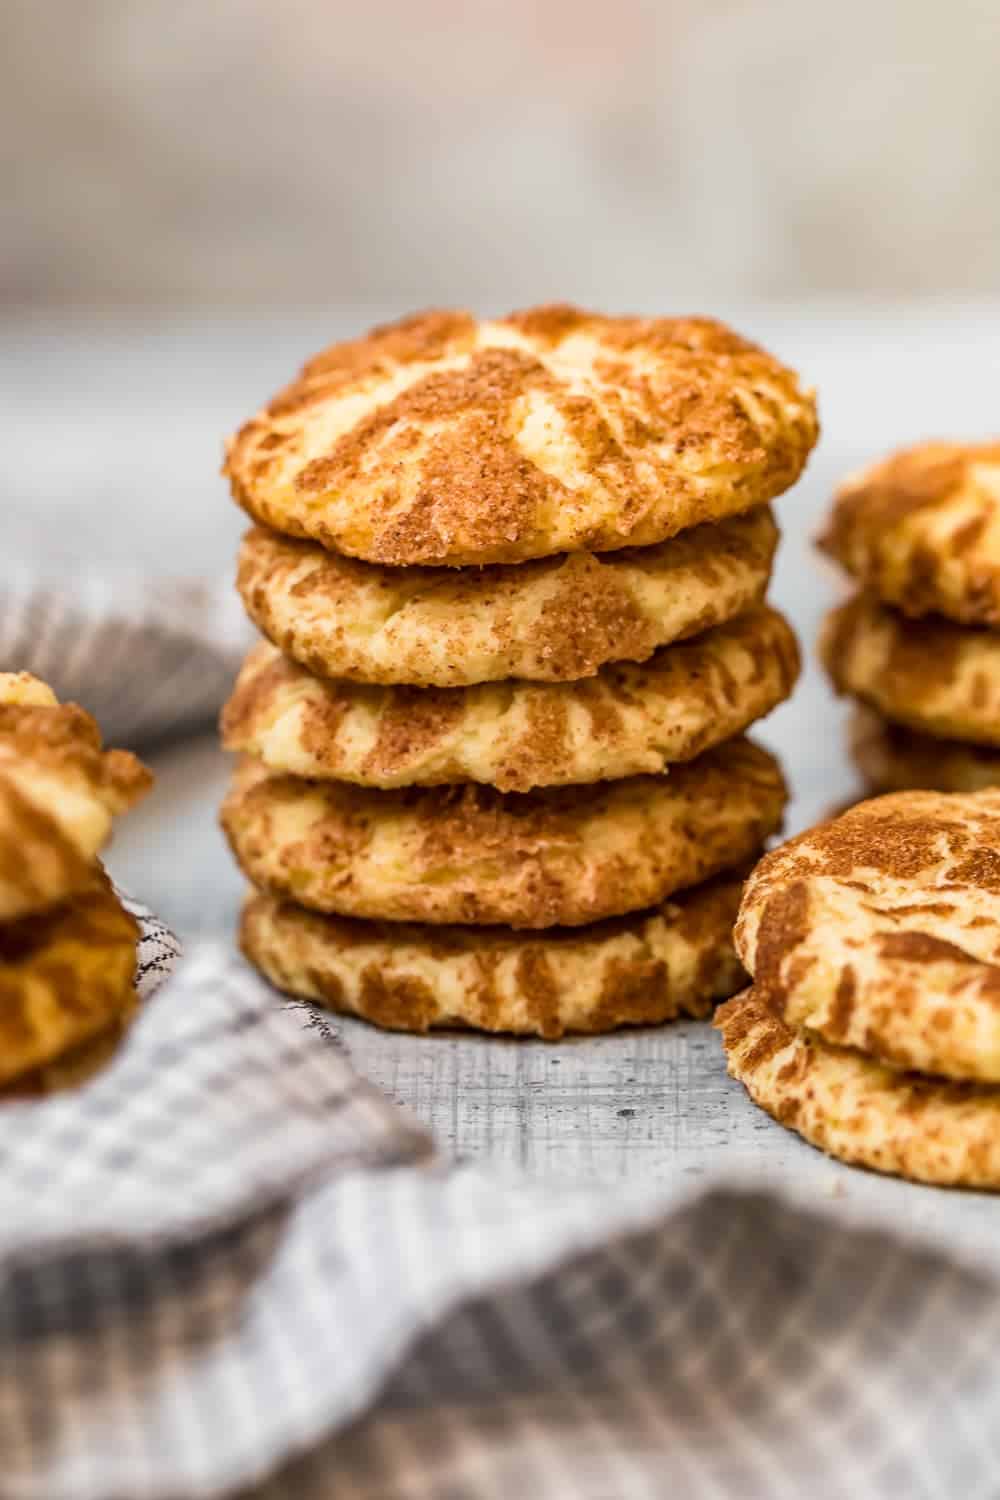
509 573
918 644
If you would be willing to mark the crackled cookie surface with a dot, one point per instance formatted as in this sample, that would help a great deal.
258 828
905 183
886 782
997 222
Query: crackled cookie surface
629 719
926 1129
563 856
553 620
880 930
931 674
628 971
443 440
921 530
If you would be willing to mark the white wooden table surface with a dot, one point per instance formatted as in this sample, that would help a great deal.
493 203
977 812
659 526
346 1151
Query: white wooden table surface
111 456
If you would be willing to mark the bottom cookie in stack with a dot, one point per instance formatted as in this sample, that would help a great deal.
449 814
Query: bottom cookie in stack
873 1024
506 912
626 971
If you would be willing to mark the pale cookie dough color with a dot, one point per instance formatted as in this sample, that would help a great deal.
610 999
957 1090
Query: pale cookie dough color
59 792
627 720
561 857
554 620
937 677
892 758
921 529
65 976
926 1129
880 930
446 441
630 971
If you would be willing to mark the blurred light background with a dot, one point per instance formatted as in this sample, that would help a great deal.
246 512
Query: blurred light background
211 153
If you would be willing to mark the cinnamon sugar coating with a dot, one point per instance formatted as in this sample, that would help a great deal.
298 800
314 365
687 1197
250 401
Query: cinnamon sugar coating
441 440
880 930
553 620
564 856
926 1129
930 674
629 971
627 720
921 530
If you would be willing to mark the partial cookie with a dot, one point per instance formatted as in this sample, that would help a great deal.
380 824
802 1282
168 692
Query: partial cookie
65 977
892 758
940 678
926 1129
560 857
75 1067
881 930
444 441
629 971
554 620
515 736
59 792
921 529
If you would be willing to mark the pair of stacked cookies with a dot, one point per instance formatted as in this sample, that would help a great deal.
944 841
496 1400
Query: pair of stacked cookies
511 580
873 1024
67 945
919 645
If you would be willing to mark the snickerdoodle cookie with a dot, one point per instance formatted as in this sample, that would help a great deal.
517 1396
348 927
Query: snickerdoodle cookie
629 719
921 530
445 440
928 1129
59 791
563 856
880 930
628 971
553 620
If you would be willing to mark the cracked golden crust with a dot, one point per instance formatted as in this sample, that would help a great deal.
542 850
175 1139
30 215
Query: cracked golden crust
880 930
444 441
554 620
629 971
860 1111
932 675
65 977
892 758
626 721
59 791
564 856
921 529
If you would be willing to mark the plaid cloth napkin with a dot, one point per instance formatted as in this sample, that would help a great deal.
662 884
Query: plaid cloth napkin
229 1265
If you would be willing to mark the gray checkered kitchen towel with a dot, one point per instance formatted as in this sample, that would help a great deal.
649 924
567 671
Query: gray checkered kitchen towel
228 1264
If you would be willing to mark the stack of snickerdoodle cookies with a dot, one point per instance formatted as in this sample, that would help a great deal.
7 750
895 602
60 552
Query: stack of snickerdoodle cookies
919 645
511 579
873 1024
67 945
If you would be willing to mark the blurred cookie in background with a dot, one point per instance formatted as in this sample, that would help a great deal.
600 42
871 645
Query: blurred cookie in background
893 758
920 529
67 945
59 793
